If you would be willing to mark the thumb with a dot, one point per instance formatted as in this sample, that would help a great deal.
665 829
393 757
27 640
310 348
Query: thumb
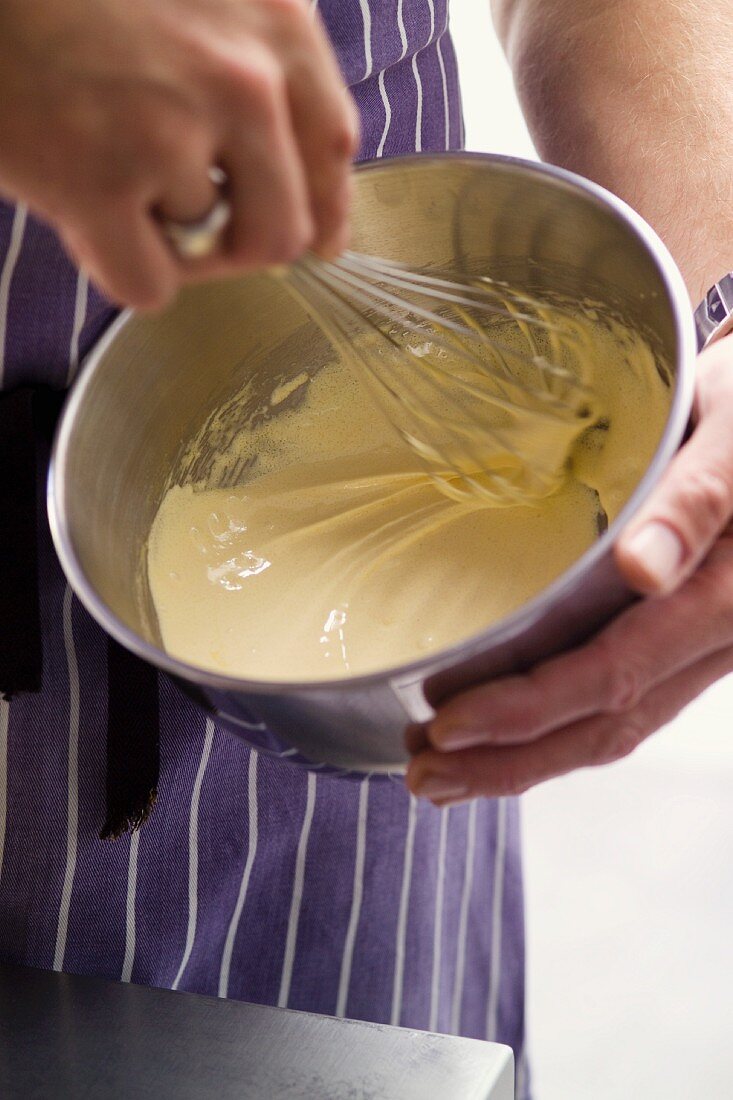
693 502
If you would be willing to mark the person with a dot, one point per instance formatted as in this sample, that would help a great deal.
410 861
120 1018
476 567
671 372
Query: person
619 90
251 878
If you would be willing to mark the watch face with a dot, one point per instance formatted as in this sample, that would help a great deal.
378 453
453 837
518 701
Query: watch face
714 315
717 311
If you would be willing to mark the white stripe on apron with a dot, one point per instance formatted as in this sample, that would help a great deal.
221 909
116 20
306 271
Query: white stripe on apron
356 899
455 1016
418 116
193 852
399 966
367 18
80 312
72 801
387 114
292 935
402 29
438 926
226 958
496 921
6 276
129 959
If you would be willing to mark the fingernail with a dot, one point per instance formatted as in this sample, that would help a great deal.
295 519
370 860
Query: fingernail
440 786
450 737
658 549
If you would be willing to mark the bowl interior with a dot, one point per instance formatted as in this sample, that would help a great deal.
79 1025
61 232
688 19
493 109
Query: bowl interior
154 382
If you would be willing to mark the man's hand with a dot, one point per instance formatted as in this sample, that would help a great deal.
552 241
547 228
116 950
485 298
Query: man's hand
113 112
595 704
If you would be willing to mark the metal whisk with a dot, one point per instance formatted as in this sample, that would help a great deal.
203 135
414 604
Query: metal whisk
488 385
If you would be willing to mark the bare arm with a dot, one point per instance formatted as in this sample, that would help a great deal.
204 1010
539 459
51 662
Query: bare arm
637 95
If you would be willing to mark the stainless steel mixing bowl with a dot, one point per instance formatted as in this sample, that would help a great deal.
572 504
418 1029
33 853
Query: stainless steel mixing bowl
151 382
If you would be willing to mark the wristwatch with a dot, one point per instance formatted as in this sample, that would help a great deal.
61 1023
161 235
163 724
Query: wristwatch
714 315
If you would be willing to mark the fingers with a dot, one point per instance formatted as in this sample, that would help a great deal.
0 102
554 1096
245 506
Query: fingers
595 704
288 156
323 117
447 778
123 251
290 174
187 198
694 501
328 165
644 646
283 132
252 84
326 127
262 174
271 217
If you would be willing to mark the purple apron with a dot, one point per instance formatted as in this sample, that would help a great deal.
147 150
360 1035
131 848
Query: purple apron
251 879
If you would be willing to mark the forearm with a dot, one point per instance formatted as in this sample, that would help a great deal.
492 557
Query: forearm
637 95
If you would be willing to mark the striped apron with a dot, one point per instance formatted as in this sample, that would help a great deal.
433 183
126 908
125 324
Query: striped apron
252 879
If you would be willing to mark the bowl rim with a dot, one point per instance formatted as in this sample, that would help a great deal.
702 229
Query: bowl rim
498 633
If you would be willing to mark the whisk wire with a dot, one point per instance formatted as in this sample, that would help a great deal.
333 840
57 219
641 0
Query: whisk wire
442 465
335 278
505 401
436 394
432 286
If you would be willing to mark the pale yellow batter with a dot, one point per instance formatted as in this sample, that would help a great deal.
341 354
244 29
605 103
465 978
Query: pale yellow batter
338 556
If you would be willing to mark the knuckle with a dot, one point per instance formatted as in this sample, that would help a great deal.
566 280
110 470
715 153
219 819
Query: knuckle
705 494
116 183
530 694
151 302
155 140
260 249
330 230
506 782
294 237
152 296
294 12
177 149
600 750
258 82
158 139
288 249
621 741
626 686
302 238
156 152
625 678
345 140
146 298
248 252
711 588
341 132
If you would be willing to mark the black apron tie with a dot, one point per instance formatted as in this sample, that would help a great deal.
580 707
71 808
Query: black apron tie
28 418
133 756
21 650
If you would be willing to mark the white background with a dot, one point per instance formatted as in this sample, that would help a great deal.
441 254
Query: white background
629 868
